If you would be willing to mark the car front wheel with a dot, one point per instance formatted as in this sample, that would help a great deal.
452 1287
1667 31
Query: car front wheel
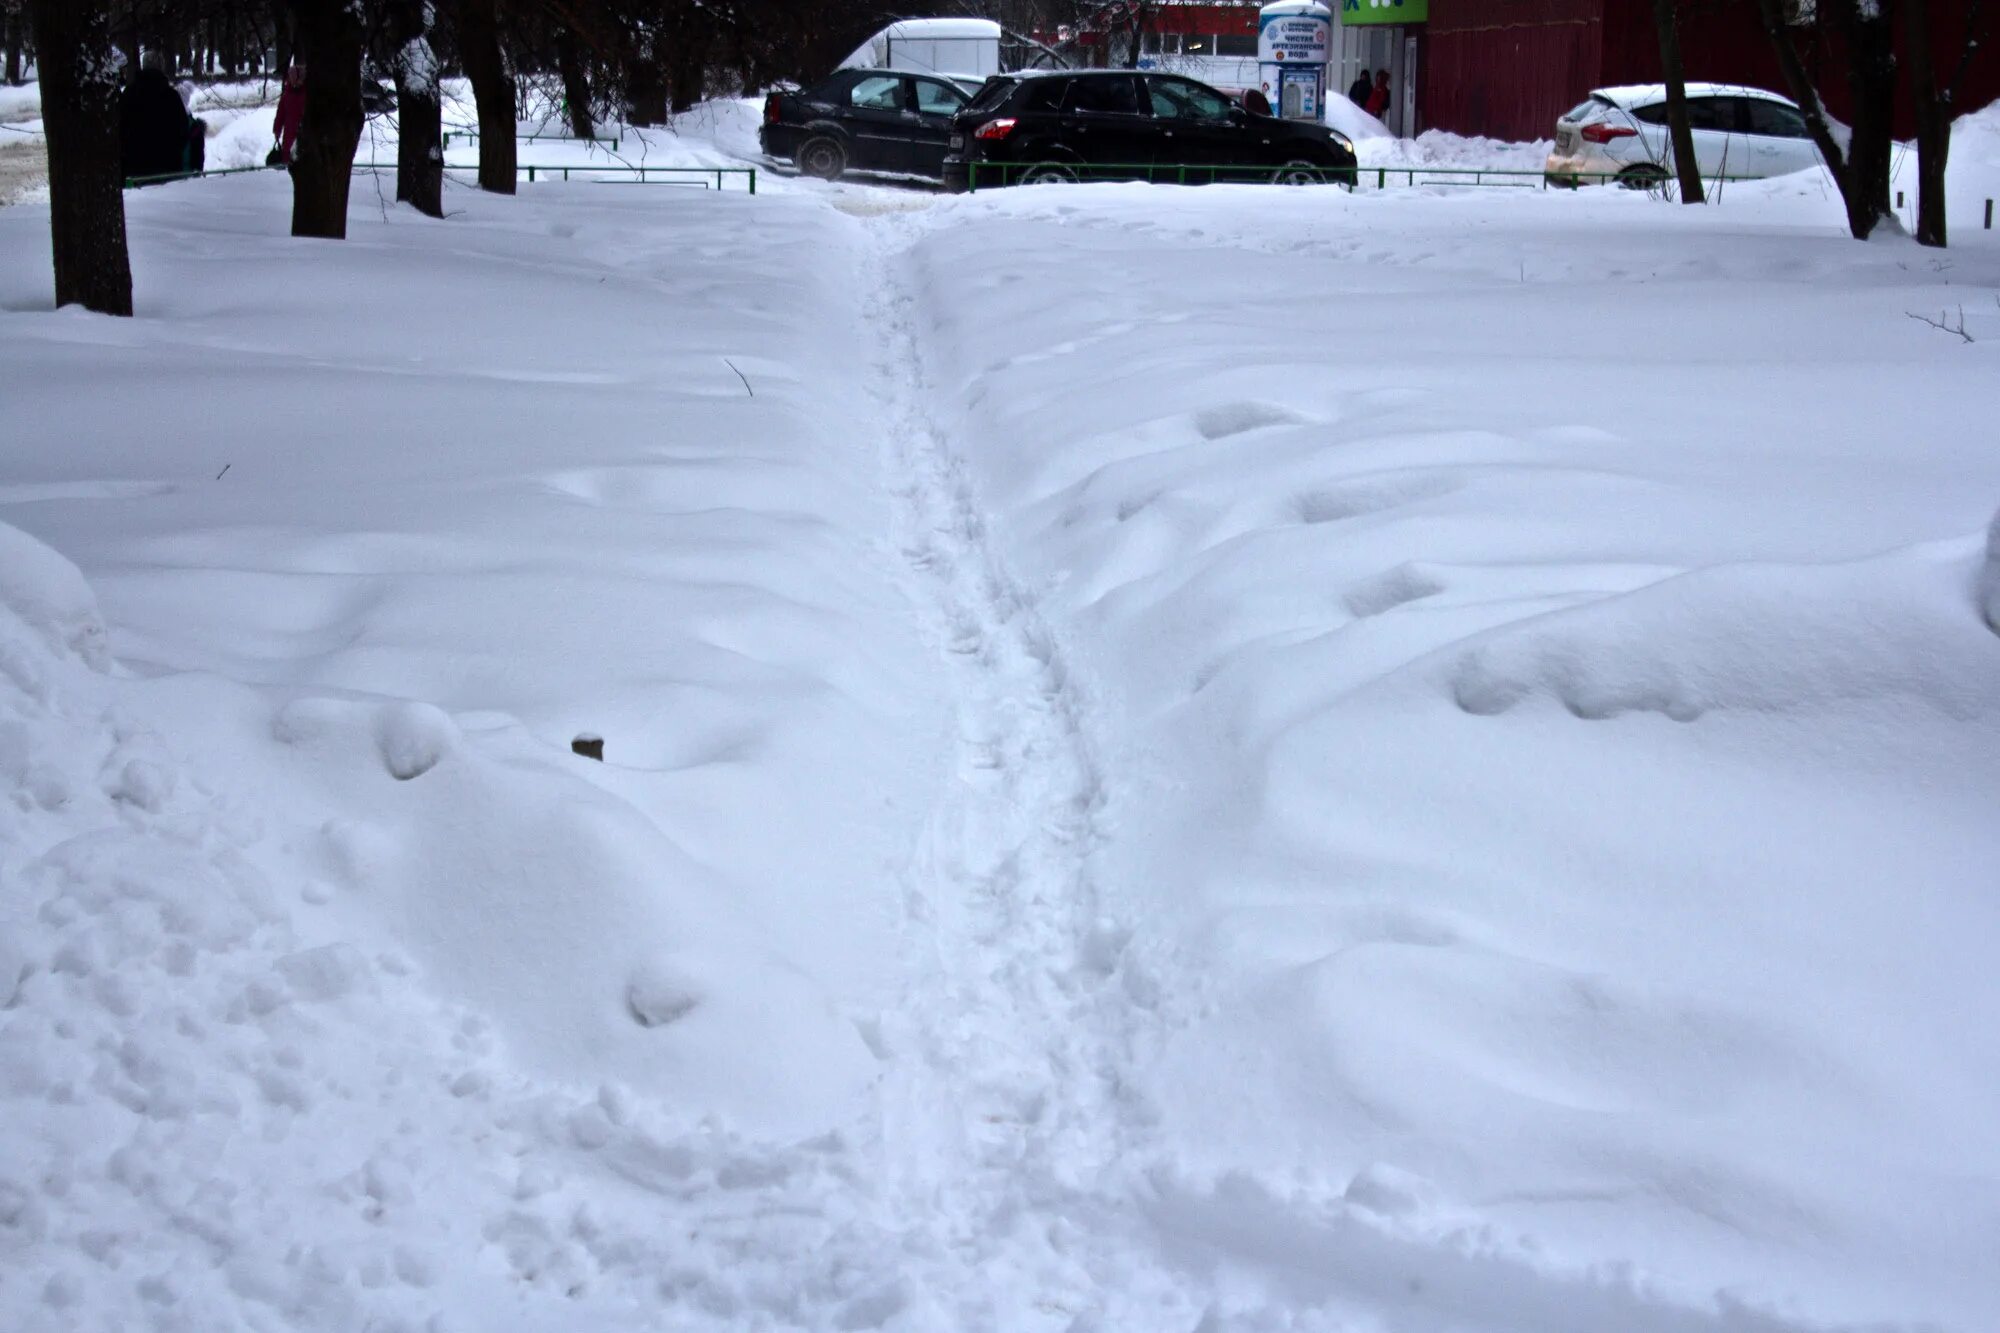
823 157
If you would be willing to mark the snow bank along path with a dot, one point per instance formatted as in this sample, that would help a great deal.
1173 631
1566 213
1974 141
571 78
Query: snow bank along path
1125 808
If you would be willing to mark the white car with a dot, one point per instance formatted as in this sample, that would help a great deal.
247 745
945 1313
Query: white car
1622 133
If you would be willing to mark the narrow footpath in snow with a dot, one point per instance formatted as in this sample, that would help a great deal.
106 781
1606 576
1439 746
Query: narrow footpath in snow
1006 1112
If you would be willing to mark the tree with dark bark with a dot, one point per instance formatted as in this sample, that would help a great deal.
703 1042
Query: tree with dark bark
419 107
1934 87
576 84
1861 168
1686 168
78 64
1135 33
330 40
479 38
13 33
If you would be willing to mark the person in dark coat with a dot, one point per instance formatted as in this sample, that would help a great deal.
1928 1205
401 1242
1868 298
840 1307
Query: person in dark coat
154 130
291 115
1378 96
1358 91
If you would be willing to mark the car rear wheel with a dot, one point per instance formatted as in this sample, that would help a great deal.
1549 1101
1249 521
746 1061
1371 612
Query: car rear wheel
1298 172
823 157
1049 173
1643 176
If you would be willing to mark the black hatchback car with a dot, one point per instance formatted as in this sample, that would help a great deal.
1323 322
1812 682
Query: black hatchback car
1067 125
864 120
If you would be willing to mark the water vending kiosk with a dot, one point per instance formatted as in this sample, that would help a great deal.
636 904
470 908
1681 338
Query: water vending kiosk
1294 40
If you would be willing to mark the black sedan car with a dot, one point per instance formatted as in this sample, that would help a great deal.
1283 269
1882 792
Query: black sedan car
1068 125
864 120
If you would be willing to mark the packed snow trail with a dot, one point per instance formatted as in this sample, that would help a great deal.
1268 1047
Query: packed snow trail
1003 1107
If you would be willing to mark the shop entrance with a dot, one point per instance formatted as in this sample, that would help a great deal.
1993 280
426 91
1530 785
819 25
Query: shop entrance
1379 46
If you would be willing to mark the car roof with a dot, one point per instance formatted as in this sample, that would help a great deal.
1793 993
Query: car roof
1067 73
1645 94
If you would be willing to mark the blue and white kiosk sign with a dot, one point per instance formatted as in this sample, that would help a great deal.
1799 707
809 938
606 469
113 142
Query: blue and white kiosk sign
1294 41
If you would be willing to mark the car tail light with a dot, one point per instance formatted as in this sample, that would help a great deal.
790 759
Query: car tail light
771 109
1602 133
995 129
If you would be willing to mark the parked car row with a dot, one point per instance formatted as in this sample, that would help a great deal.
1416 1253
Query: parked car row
1043 126
1621 133
1065 125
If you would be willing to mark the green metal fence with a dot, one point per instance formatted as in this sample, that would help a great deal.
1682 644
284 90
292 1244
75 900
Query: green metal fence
989 174
699 177
132 182
472 136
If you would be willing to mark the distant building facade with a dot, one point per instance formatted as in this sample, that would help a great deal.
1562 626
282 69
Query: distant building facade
1505 69
1509 68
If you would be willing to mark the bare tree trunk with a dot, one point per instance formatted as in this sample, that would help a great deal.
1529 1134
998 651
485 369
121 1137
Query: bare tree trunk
492 90
10 26
1861 172
323 165
284 38
1686 168
73 48
645 85
1933 127
419 109
1141 11
1870 26
576 86
690 68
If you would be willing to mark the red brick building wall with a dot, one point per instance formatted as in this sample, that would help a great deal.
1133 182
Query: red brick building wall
1508 68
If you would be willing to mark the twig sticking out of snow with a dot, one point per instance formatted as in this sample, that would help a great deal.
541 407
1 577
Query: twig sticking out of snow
746 381
1941 323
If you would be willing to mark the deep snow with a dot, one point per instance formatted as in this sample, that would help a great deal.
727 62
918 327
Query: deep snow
1224 759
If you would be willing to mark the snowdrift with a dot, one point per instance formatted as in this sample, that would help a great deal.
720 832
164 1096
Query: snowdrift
1563 833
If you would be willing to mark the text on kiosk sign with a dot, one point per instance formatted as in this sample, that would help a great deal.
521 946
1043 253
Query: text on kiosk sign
1295 39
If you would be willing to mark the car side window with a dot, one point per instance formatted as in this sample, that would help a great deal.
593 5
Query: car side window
1041 95
1111 94
937 99
1776 120
1177 99
1654 114
1717 114
877 92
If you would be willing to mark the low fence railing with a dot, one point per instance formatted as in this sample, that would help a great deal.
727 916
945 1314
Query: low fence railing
698 177
986 175
472 136
641 174
132 182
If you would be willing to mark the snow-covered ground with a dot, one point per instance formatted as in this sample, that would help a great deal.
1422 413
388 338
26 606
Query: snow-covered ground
1210 759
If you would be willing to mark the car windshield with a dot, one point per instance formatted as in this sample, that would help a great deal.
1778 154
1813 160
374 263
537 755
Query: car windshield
1589 109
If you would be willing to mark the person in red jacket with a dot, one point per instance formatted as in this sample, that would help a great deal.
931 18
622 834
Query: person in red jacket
1378 97
291 114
